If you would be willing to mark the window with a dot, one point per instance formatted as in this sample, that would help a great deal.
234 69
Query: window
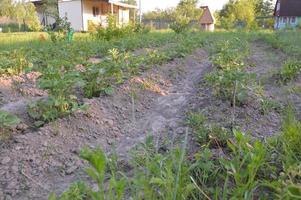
293 20
95 11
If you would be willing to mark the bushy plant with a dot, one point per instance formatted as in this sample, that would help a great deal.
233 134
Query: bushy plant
207 134
59 83
230 80
290 70
13 62
100 77
100 171
7 121
180 25
114 31
59 31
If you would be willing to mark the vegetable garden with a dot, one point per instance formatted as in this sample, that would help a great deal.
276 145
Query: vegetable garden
151 115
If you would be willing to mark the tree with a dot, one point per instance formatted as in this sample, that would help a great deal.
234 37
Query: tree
50 8
159 14
25 13
31 18
189 9
245 12
19 14
6 7
264 8
238 13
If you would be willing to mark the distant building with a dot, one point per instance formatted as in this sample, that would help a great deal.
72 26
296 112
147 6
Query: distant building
287 13
207 20
84 13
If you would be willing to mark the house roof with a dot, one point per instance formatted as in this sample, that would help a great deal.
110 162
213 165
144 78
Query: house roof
207 17
288 8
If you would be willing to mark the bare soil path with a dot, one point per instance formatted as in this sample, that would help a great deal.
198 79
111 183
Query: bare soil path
33 164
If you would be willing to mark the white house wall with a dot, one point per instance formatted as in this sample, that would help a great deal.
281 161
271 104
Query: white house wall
88 14
73 11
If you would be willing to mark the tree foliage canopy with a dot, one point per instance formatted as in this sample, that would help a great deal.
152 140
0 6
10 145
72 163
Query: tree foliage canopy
21 11
244 12
185 9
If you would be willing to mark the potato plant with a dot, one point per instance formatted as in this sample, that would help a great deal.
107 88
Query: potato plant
61 100
7 121
229 78
14 62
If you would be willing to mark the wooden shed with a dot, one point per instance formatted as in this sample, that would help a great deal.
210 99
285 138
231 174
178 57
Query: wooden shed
207 19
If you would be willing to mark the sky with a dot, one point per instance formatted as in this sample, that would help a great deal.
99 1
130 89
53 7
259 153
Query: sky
148 5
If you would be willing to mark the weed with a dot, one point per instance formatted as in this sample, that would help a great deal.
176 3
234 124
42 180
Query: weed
289 71
268 105
207 134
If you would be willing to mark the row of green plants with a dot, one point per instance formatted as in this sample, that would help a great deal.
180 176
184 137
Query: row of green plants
228 165
56 62
229 78
287 42
41 54
62 83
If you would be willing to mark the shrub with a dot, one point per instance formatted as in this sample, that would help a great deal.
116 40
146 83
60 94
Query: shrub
180 25
60 29
113 31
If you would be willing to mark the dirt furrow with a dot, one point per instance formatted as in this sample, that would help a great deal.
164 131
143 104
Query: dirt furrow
155 103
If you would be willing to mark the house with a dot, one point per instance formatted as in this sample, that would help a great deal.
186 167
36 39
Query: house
207 19
287 13
84 13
